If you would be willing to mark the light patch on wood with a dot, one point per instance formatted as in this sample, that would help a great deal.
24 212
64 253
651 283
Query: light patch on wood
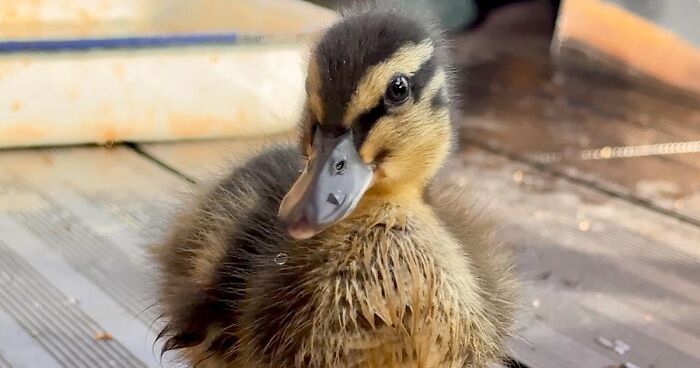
406 60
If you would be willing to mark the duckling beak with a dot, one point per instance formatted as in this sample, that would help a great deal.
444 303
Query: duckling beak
329 188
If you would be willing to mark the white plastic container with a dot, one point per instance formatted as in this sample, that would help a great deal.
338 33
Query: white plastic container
169 75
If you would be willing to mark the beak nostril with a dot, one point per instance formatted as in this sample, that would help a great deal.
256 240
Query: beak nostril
333 199
336 197
340 166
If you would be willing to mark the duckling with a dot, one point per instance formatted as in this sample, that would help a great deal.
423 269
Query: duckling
348 253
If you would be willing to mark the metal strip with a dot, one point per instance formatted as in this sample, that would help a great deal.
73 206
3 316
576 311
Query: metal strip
54 320
19 348
153 41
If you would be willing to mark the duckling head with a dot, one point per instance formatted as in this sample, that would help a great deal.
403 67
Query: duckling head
377 117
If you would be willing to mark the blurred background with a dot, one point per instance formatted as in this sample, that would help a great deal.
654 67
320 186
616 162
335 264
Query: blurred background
579 127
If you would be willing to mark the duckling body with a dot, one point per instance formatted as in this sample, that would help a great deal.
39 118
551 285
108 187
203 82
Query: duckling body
402 275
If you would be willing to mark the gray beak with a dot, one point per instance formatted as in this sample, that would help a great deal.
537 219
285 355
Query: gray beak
329 188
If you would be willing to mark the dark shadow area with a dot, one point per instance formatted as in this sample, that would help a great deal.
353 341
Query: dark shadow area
512 363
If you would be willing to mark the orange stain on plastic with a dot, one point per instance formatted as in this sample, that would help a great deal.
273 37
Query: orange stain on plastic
21 132
118 70
15 106
72 93
191 126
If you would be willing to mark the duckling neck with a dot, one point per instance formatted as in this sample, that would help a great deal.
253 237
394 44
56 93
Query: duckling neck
396 191
395 204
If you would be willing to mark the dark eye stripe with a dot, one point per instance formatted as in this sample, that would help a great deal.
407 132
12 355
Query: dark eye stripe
422 77
439 100
353 46
364 123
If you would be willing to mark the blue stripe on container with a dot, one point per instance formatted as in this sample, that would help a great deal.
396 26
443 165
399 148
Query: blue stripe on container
79 44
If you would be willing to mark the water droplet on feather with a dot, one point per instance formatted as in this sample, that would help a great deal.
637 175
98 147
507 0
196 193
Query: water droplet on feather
281 258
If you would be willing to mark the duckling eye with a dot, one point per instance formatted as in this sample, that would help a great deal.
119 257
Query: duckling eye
397 91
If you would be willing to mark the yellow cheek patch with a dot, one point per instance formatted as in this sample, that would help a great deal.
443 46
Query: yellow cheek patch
415 137
369 150
415 117
406 60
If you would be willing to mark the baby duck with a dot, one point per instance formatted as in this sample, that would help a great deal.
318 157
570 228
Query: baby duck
348 254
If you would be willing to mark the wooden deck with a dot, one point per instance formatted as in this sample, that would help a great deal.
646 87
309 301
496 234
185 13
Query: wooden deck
608 248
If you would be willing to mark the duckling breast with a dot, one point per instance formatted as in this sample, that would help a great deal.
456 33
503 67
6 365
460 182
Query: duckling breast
394 287
379 296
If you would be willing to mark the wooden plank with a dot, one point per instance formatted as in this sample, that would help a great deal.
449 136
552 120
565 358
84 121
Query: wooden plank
511 54
676 17
608 31
594 265
74 223
518 70
519 101
669 182
206 160
522 69
525 106
63 330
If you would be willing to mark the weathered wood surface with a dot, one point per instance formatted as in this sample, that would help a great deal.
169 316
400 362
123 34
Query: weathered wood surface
595 266
73 227
518 102
607 249
664 43
207 160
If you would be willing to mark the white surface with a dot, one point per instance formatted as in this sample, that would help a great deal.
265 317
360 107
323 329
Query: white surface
150 95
